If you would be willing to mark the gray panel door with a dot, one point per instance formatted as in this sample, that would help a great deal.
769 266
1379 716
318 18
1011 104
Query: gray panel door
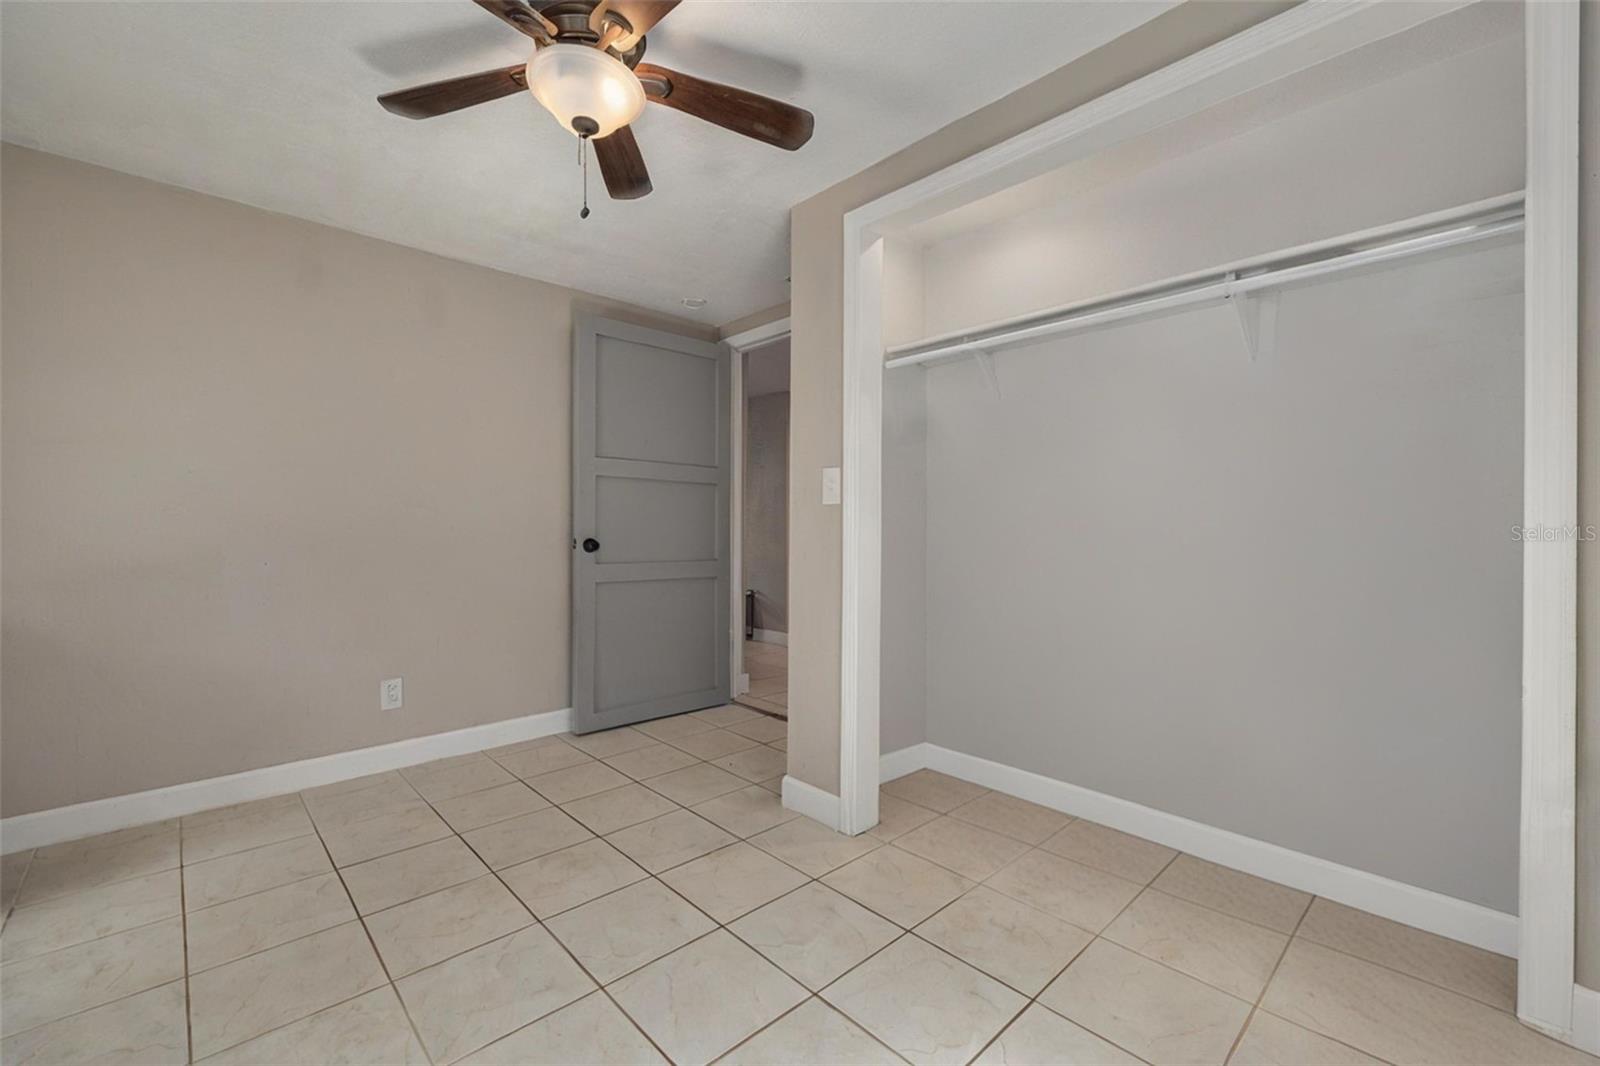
650 462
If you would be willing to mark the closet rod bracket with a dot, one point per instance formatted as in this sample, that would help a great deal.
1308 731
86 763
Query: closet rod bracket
1257 314
985 363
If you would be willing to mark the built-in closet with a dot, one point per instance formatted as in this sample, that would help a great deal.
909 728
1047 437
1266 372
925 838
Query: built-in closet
1202 466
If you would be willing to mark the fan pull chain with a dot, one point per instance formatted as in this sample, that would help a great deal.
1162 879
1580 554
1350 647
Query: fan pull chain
583 162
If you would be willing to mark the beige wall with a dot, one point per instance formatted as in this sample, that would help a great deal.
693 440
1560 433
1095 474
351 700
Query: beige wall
817 294
251 467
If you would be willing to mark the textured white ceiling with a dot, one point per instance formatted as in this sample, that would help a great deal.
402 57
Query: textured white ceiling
272 104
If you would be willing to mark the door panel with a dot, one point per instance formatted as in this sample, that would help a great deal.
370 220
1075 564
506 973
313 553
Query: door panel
658 404
641 663
655 521
651 457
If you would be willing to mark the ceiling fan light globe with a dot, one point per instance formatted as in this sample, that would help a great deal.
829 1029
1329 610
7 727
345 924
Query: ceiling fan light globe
574 81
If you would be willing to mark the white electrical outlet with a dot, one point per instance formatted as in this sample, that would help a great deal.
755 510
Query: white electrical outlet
390 695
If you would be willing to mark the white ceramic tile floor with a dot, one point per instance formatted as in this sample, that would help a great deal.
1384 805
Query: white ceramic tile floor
655 906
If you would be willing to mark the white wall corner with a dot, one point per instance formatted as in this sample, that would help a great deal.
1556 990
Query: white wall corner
811 801
41 828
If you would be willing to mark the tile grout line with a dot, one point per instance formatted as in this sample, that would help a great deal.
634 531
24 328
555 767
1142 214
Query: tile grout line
393 988
1152 886
1261 995
1404 973
281 943
492 873
536 921
903 930
258 891
97 1006
669 887
96 888
496 875
183 919
118 999
810 995
11 905
1258 1008
104 936
182 916
716 924
91 888
599 986
319 1010
877 844
1093 937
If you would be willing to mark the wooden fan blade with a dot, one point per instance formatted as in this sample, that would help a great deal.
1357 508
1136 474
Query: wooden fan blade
641 16
520 17
453 94
622 165
751 114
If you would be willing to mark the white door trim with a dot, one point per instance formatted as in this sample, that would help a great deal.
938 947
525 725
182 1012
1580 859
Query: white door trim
756 336
1303 36
741 343
1547 892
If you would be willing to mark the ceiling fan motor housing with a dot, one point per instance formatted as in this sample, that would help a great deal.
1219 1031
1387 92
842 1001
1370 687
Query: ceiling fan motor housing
572 21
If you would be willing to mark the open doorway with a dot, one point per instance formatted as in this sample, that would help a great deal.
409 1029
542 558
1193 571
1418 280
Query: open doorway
763 519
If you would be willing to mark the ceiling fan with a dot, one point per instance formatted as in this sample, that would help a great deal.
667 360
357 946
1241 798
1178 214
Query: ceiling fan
586 71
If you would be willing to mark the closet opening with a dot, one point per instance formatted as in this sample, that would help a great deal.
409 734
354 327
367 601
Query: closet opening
1186 455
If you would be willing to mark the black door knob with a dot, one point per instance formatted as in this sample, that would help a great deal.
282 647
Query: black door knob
591 545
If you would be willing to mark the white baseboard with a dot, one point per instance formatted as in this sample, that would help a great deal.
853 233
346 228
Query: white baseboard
1408 904
41 828
811 801
1586 1019
771 636
895 764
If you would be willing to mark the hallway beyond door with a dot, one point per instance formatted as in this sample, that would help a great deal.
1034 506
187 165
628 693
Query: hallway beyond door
768 667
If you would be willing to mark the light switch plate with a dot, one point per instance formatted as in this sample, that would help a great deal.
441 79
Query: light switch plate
830 484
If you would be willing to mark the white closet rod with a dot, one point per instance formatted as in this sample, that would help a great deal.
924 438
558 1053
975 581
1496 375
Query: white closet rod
1446 229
